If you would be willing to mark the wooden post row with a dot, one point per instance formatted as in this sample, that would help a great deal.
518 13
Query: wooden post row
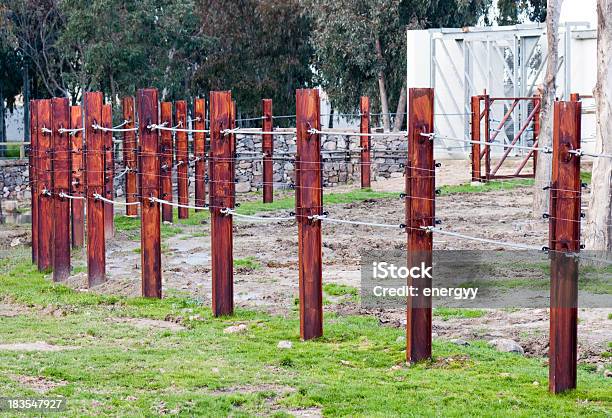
420 195
45 200
61 166
130 160
33 176
199 152
149 170
308 203
476 171
267 147
95 155
221 196
365 141
77 183
166 159
564 236
182 159
109 168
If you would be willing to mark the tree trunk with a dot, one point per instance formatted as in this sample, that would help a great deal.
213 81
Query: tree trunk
598 231
544 167
401 109
384 102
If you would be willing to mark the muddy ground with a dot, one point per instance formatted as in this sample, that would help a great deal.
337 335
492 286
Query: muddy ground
273 286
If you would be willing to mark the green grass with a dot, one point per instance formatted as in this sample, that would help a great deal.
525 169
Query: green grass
448 313
10 150
247 263
486 187
585 177
334 289
121 370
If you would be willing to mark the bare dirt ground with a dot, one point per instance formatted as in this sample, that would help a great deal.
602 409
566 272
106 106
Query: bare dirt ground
273 286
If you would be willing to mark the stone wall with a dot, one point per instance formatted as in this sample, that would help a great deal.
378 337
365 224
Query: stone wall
14 180
340 153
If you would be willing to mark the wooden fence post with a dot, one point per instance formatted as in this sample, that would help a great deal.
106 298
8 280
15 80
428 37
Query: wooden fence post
536 130
365 141
487 130
77 186
267 147
129 156
199 152
309 202
182 159
95 153
150 232
109 168
33 176
45 200
221 195
166 160
564 236
60 143
476 174
420 195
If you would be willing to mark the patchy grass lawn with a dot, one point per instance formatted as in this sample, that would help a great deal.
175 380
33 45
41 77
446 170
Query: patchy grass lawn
357 369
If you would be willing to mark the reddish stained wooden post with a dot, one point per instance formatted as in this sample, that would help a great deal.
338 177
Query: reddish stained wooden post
267 147
33 176
476 174
166 159
150 233
487 129
536 130
199 152
45 200
182 159
94 152
364 128
221 195
60 143
109 167
309 202
420 195
77 186
130 156
564 236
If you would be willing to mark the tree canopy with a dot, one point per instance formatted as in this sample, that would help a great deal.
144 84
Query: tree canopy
258 48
